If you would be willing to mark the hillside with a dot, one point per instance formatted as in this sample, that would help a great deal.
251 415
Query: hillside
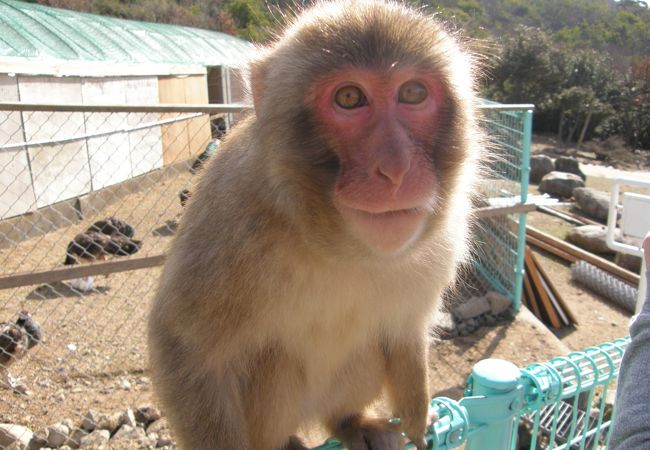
585 64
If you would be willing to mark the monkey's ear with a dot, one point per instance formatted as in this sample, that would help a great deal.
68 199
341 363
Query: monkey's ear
258 74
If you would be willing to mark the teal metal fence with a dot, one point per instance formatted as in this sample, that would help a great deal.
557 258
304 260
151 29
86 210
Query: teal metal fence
499 255
560 404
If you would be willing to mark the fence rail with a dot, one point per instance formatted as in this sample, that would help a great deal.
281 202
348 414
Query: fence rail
500 398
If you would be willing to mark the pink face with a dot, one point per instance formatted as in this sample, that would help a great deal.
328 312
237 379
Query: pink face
382 127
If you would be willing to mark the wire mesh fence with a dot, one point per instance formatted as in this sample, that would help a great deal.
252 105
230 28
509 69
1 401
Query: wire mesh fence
65 168
500 231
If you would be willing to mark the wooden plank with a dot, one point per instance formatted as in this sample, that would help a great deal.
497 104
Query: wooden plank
551 249
528 289
562 305
560 214
175 137
587 220
538 286
494 211
584 255
198 130
79 271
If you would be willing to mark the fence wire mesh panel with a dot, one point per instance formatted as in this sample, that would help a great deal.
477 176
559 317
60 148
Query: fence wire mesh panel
500 238
560 404
61 172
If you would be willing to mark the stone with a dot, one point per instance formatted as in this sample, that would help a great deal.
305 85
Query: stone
89 422
128 418
498 303
473 307
14 434
110 423
57 435
147 414
164 440
569 165
38 441
135 434
629 262
95 439
76 435
593 202
592 238
560 184
540 165
159 425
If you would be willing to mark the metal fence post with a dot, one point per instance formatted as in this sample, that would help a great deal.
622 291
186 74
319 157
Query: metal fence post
493 397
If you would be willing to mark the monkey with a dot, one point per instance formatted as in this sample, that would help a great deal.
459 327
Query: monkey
318 240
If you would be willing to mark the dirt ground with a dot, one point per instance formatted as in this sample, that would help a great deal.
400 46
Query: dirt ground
93 355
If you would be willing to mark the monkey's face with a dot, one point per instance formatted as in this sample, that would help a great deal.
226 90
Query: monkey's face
381 127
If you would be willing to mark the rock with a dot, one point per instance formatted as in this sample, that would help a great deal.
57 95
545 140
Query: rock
629 262
540 165
560 183
89 422
593 202
95 439
57 435
164 440
14 434
159 425
498 302
590 237
135 434
569 165
38 441
147 414
473 307
110 423
76 436
128 418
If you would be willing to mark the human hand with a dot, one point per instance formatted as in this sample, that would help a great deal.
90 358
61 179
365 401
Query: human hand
646 250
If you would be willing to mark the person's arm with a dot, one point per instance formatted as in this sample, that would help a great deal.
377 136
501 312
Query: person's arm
631 426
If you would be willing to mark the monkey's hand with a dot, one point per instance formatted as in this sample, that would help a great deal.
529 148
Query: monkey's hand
414 431
363 433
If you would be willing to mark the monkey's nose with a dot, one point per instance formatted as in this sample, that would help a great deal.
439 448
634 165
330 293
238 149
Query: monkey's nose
394 166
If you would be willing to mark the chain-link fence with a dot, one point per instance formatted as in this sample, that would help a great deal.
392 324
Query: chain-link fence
127 171
63 169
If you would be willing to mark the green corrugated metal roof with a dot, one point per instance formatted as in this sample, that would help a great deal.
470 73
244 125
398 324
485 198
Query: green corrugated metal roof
36 32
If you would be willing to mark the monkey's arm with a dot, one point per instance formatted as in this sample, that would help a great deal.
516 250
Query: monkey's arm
407 384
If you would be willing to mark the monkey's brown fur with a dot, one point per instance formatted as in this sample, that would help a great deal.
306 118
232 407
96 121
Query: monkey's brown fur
269 310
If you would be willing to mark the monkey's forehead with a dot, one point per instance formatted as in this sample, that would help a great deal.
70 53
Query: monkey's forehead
371 34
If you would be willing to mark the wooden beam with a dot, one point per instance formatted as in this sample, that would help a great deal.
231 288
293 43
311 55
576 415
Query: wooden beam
493 211
551 249
538 286
584 255
530 295
563 308
560 214
80 271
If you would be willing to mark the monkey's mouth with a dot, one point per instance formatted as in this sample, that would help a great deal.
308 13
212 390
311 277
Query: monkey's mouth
388 231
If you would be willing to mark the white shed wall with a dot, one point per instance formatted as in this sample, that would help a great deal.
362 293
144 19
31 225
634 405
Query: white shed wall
41 175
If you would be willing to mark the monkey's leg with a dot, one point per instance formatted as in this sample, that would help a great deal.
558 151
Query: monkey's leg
407 384
203 405
272 402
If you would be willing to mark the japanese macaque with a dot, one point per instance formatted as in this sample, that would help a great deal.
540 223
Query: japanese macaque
314 250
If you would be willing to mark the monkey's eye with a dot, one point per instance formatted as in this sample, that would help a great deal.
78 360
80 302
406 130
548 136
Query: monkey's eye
412 92
349 97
